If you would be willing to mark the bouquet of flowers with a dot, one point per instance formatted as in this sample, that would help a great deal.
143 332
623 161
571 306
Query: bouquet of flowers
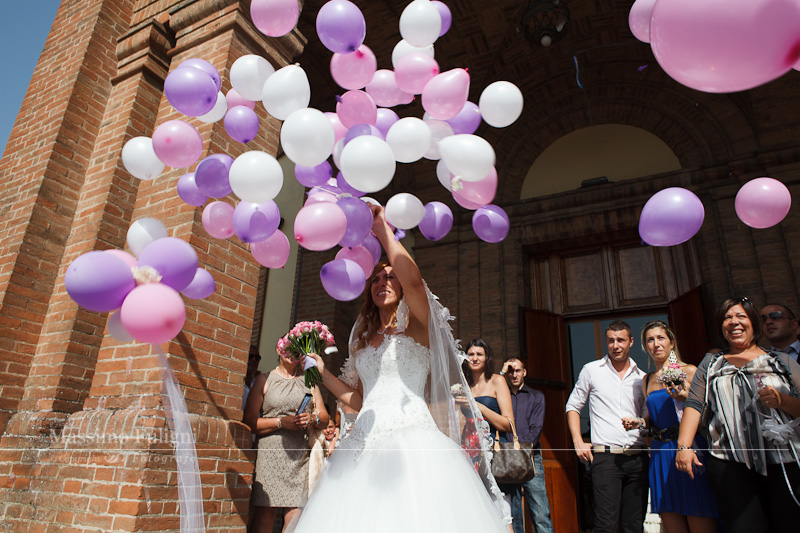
672 376
457 390
305 338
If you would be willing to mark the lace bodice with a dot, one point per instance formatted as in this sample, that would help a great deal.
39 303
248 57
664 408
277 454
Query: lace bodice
393 376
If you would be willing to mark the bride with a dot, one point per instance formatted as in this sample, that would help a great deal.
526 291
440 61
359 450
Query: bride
397 471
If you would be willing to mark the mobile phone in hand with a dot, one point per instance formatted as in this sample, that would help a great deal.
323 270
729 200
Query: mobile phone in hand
304 403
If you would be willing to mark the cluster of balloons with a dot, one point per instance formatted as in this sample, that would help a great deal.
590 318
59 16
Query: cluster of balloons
144 285
720 46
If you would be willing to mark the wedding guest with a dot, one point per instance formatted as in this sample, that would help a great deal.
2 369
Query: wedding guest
331 433
780 329
745 391
490 390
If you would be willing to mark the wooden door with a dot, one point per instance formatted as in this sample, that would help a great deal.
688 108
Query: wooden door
687 319
548 365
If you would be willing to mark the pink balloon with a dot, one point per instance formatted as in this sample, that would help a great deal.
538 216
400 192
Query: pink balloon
275 18
763 202
153 313
721 46
384 90
272 252
339 129
386 117
414 70
445 95
320 226
475 194
639 19
233 99
129 259
177 143
218 219
354 70
360 256
356 107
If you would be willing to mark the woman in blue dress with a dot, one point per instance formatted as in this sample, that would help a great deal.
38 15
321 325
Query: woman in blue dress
490 390
685 504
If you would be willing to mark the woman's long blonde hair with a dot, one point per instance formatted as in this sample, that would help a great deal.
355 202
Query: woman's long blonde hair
370 315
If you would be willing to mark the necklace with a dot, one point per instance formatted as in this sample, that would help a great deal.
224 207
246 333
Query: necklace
285 374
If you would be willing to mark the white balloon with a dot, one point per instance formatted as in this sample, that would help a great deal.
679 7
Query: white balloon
409 139
469 157
219 110
500 104
117 330
337 152
439 130
248 75
139 158
256 177
144 231
444 175
420 23
367 163
402 48
286 91
404 211
371 200
307 137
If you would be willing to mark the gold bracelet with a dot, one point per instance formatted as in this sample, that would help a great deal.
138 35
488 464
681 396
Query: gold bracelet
280 426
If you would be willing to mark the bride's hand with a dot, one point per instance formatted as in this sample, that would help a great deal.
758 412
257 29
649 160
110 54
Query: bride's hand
320 362
378 218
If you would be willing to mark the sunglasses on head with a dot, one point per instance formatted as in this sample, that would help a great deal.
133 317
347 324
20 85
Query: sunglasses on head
775 315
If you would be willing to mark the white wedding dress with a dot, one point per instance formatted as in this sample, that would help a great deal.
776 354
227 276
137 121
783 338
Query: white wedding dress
396 472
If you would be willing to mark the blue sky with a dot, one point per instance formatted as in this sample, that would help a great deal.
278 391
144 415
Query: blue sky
24 25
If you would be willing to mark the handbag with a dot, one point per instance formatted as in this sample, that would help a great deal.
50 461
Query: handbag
512 462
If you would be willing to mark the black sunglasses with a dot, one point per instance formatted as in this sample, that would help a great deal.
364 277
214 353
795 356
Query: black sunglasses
775 315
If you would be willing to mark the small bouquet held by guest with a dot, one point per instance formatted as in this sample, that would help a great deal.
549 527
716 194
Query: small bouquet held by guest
672 376
457 390
305 338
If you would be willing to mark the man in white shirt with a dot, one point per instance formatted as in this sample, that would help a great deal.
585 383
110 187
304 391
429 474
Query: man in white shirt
780 328
618 458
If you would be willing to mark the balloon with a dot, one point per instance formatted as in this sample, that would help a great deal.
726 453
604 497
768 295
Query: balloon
256 177
384 90
467 120
320 226
212 175
205 66
639 19
98 281
409 139
414 70
117 330
320 194
139 158
129 259
420 23
437 222
153 313
346 187
445 14
144 231
202 285
188 191
354 70
313 176
445 95
275 18
385 119
248 75
763 202
218 219
361 129
500 104
256 222
402 48
670 217
467 156
173 258
439 130
338 129
372 244
360 256
273 252
474 194
359 220
286 91
356 107
444 175
343 279
233 99
337 152
191 91
490 223
241 123
341 26
721 46
177 143
217 112
307 137
367 163
404 210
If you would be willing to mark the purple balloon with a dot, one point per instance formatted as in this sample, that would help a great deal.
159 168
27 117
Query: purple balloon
202 285
362 129
343 279
670 217
313 176
490 223
98 281
341 26
191 91
346 187
444 12
173 258
211 175
256 222
372 244
188 191
437 222
359 220
208 68
241 123
386 117
467 120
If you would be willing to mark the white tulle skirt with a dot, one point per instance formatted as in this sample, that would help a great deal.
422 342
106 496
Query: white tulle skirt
417 480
